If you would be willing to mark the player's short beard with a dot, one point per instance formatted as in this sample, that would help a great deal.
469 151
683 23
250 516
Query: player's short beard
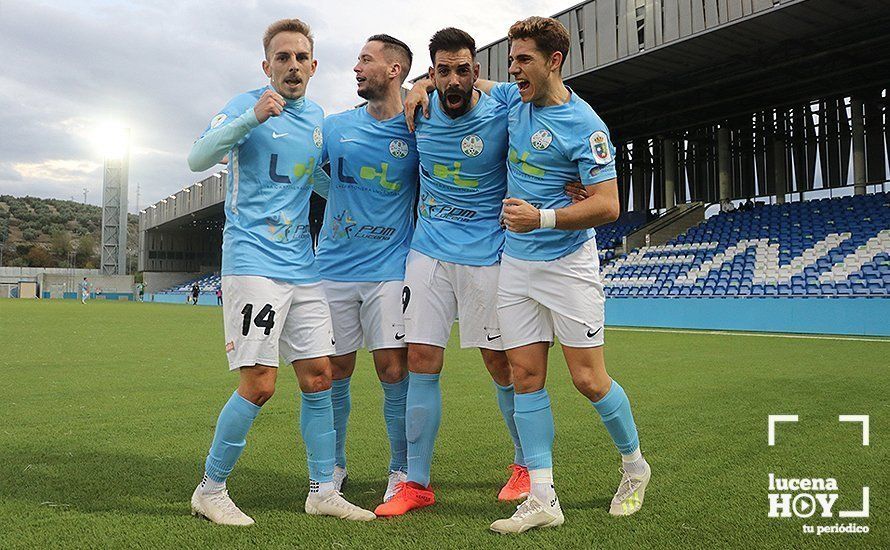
467 96
370 93
374 90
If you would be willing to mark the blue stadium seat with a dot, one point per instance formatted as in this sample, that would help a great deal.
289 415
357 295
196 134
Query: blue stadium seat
793 230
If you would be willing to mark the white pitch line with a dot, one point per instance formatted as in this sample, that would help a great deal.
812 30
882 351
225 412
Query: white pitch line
760 334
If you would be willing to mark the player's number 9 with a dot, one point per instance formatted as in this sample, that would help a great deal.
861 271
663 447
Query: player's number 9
406 297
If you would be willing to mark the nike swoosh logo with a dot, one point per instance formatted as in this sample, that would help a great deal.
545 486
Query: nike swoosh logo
399 336
345 140
594 333
490 337
276 136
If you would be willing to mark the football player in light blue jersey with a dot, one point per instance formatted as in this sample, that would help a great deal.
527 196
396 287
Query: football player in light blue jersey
549 279
452 268
275 304
366 234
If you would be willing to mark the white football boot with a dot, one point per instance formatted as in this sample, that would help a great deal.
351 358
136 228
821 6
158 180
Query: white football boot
530 514
218 508
333 504
629 496
392 486
340 478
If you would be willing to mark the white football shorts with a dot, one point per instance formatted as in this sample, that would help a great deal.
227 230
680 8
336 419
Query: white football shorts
266 319
436 292
366 314
564 296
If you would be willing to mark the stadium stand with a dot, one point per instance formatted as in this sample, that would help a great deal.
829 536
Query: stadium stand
819 248
207 283
610 236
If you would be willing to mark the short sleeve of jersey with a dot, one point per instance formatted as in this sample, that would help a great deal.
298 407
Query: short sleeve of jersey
593 150
505 93
233 109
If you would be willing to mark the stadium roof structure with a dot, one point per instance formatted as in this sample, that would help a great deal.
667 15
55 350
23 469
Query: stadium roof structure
649 66
706 100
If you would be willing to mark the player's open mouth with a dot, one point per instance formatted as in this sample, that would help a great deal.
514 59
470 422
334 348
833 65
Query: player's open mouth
454 100
293 81
523 85
360 79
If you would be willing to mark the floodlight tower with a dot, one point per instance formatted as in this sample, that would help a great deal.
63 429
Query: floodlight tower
114 204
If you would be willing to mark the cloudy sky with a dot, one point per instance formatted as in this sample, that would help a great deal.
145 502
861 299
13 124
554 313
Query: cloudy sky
163 68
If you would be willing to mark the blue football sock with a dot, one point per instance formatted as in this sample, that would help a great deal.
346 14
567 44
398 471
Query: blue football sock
505 403
234 421
395 397
317 428
534 422
422 414
614 409
341 400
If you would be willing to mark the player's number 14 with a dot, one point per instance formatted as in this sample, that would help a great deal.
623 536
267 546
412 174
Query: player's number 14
264 319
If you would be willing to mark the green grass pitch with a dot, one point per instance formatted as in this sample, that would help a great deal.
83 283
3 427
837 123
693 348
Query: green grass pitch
108 410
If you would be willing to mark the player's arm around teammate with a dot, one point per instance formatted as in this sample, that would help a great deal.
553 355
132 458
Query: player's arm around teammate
417 100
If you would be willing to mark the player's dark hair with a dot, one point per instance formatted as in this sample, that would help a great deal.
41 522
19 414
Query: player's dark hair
451 40
396 46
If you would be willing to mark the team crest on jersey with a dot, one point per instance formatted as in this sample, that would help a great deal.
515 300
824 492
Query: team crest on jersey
218 119
599 146
316 137
398 148
541 139
472 145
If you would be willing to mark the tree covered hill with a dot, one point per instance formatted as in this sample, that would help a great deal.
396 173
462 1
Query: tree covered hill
39 232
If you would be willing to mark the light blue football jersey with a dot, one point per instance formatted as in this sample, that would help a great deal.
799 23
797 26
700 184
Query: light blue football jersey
463 181
369 218
550 147
271 173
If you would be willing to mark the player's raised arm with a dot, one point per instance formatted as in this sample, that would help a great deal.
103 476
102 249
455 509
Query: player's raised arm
222 135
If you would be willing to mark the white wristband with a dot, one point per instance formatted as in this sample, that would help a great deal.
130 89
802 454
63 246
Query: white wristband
548 218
